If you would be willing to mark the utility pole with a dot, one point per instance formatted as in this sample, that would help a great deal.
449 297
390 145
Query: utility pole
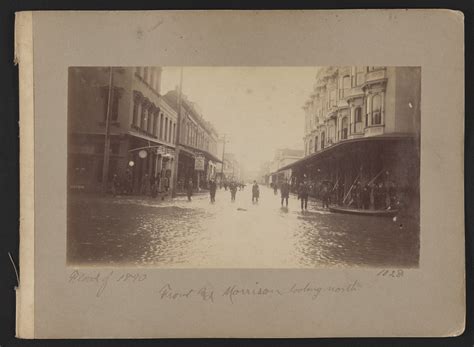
222 166
178 135
105 167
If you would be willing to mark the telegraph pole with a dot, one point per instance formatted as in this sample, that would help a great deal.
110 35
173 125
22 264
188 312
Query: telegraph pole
222 166
105 167
178 133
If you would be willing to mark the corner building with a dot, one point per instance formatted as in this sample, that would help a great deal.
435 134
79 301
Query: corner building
142 126
362 123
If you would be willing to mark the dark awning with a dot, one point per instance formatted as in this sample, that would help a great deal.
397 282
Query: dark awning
342 145
197 151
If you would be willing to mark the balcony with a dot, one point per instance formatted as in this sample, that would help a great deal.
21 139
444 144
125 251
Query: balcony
342 104
375 76
353 93
374 130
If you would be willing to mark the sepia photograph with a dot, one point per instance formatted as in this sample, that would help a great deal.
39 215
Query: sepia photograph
215 174
244 167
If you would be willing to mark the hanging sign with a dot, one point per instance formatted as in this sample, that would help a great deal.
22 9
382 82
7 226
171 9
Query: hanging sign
199 163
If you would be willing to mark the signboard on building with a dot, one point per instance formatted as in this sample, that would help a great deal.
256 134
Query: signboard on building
199 163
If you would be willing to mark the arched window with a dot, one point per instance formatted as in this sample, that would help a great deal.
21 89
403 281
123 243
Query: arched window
161 126
358 119
345 128
144 116
377 110
358 115
322 139
310 146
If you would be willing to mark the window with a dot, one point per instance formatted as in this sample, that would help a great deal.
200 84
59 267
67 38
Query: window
345 85
345 128
367 112
358 120
322 139
310 146
358 115
315 143
166 129
377 110
155 123
145 74
150 120
135 110
143 117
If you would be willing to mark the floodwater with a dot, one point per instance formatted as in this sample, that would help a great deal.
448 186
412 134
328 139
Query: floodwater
137 231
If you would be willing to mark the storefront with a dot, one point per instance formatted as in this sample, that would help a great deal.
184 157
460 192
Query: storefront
371 163
196 165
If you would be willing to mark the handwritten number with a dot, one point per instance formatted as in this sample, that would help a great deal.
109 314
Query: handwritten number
390 273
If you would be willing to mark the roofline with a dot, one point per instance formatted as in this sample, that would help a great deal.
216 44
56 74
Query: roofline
384 137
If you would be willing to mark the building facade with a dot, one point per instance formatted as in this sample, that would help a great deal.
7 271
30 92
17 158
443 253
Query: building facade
362 129
283 157
142 128
198 144
354 102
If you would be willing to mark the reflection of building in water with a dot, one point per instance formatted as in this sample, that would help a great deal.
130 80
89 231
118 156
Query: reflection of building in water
362 127
139 118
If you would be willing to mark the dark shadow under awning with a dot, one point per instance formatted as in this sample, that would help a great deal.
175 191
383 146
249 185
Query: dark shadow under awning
343 145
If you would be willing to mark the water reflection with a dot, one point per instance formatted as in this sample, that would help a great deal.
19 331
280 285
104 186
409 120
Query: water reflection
242 234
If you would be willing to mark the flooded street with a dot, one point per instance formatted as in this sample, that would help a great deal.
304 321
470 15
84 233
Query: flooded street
147 232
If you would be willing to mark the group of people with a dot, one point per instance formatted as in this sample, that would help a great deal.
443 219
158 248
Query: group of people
303 192
233 187
371 195
149 185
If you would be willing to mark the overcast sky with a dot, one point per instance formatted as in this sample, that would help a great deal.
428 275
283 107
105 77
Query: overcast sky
258 108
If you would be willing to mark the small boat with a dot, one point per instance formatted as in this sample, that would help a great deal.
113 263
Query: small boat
377 213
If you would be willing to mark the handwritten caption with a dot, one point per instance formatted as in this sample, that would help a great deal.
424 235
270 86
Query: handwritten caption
99 281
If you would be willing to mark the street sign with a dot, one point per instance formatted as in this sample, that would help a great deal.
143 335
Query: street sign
199 163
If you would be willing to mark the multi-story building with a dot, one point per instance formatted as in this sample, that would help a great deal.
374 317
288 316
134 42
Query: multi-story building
142 126
198 144
362 124
284 157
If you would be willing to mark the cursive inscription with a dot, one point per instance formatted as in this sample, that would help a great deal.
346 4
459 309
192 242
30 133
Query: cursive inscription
231 292
204 293
100 280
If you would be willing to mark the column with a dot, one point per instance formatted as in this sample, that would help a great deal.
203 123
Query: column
382 108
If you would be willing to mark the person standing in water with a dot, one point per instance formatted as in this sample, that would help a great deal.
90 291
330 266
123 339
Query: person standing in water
212 190
255 192
303 193
233 190
189 189
285 192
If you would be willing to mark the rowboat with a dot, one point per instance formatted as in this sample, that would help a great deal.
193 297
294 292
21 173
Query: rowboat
377 213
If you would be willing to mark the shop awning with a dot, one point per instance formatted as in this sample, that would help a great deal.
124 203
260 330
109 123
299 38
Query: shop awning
196 151
342 145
